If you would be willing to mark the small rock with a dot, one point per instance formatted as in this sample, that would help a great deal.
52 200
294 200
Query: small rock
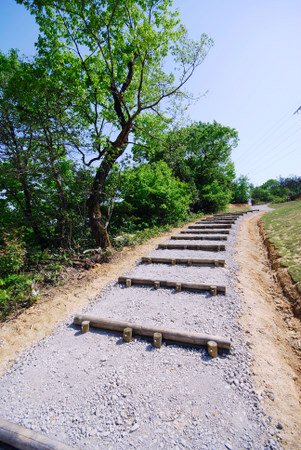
93 432
279 426
134 428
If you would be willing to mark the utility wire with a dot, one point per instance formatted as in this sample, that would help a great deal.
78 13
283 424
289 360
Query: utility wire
278 125
260 169
271 161
282 144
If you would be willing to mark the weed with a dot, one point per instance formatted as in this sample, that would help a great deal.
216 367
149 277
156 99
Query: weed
283 227
17 292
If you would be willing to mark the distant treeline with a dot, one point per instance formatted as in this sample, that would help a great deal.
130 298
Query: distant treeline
277 191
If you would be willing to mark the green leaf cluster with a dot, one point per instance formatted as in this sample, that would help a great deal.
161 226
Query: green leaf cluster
151 196
277 191
241 190
199 155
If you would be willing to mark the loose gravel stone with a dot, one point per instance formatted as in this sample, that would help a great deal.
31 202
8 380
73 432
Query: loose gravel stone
94 391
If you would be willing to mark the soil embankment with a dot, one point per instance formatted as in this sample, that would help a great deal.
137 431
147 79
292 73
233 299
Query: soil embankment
271 330
288 286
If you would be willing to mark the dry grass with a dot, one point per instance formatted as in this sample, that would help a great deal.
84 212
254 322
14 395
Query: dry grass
283 226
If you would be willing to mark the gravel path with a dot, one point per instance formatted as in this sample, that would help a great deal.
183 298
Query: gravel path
95 391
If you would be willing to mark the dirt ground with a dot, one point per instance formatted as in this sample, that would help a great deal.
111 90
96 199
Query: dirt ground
272 332
270 328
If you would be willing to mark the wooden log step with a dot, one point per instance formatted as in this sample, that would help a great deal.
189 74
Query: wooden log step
19 437
197 238
221 218
205 231
216 221
237 214
209 226
168 334
157 284
216 247
218 218
188 261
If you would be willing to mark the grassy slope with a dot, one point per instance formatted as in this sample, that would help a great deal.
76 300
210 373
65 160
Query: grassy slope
283 226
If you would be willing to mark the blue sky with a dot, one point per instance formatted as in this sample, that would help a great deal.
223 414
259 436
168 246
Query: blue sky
252 75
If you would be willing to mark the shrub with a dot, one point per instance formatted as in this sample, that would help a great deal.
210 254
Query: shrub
16 293
156 196
12 253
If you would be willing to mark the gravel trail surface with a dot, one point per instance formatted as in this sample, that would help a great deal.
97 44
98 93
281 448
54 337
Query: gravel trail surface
95 391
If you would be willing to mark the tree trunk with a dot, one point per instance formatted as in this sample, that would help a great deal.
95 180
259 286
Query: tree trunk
62 224
112 153
99 231
28 203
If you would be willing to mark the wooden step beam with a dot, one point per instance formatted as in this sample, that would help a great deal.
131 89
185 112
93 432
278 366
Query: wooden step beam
199 238
213 219
209 247
221 218
221 231
188 261
168 334
208 226
216 221
172 284
19 437
238 214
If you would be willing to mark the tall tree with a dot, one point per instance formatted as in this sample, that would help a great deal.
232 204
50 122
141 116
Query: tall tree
241 190
119 50
200 155
36 178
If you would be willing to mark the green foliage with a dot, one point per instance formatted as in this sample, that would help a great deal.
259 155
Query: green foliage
153 196
198 154
272 191
110 56
241 190
292 185
42 189
98 78
283 226
128 239
12 253
16 293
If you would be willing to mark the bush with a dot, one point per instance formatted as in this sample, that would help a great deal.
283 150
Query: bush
16 293
12 253
155 196
213 198
241 190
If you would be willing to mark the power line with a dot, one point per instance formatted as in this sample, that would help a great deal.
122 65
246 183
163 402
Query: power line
271 155
278 125
275 161
261 167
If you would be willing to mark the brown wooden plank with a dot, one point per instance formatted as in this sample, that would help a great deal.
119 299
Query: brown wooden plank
171 284
220 231
219 218
238 214
22 438
193 261
216 221
216 247
208 226
169 334
197 238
